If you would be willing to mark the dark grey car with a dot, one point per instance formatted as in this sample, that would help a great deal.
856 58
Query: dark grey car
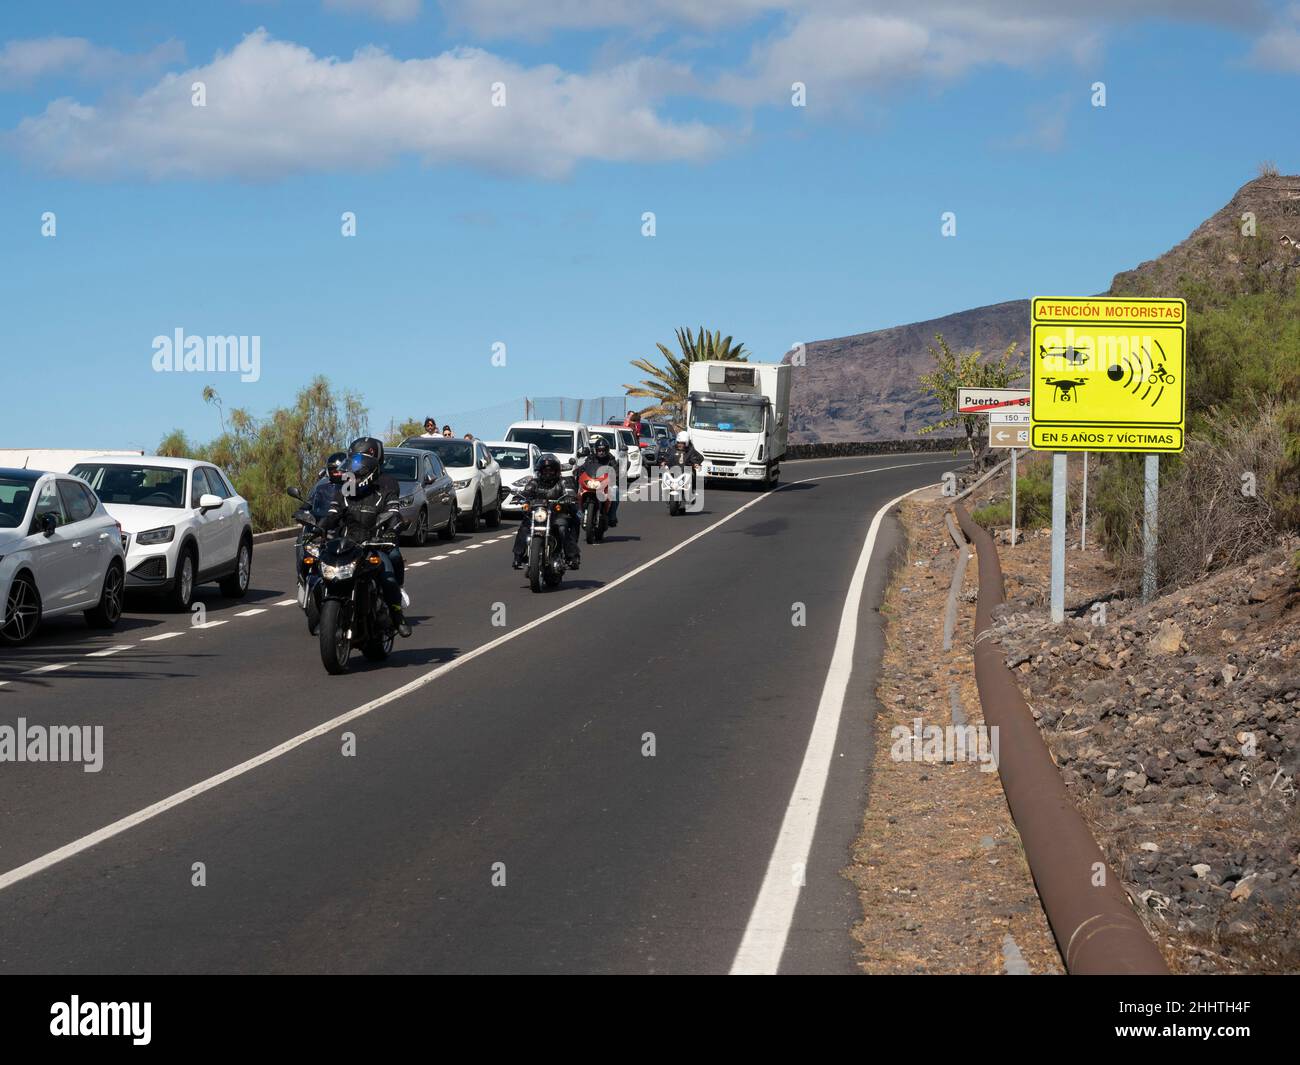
428 498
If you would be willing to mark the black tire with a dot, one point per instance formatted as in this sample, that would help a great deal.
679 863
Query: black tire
181 593
235 586
334 643
674 508
472 522
448 531
550 578
493 520
535 569
108 611
22 611
421 535
312 611
592 521
378 648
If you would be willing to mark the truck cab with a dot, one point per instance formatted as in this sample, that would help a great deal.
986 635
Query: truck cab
738 415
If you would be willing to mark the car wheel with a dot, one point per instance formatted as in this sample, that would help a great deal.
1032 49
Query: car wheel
106 613
22 611
421 534
448 531
234 586
475 517
494 516
182 590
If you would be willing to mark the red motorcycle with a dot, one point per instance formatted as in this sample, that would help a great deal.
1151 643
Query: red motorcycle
593 502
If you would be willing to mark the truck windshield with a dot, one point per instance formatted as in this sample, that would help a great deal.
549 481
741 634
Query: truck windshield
727 417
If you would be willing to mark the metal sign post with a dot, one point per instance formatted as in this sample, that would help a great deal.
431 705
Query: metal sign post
1013 497
1150 526
1059 471
1083 521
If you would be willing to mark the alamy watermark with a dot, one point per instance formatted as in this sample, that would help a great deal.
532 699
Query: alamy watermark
179 353
53 743
945 743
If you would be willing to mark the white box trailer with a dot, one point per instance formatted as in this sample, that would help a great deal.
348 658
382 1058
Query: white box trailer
738 414
51 460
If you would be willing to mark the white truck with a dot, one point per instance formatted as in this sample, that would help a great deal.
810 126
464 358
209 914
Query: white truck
738 414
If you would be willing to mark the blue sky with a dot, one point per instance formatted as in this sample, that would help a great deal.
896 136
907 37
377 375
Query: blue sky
522 224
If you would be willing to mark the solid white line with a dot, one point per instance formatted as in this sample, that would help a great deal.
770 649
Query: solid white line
77 846
250 613
110 650
769 923
51 668
163 636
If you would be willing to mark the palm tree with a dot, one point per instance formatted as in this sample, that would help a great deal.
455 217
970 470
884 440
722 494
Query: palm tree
669 385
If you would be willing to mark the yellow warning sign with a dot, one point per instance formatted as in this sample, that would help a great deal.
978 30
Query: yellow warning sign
1107 374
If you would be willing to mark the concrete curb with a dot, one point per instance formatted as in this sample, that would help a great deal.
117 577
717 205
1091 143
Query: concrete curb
275 534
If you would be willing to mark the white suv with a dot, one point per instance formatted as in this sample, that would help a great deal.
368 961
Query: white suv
474 473
564 440
182 523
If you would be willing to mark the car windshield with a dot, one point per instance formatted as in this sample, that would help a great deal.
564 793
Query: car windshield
511 458
560 440
453 452
14 497
727 417
403 467
139 486
609 436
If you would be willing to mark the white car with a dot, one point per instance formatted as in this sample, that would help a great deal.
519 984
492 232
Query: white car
182 522
60 551
474 474
518 462
622 442
562 439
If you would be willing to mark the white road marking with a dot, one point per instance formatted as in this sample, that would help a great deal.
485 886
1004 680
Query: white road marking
286 602
417 565
437 558
473 546
148 813
214 624
110 650
51 668
769 922
250 613
162 636
3 683
459 551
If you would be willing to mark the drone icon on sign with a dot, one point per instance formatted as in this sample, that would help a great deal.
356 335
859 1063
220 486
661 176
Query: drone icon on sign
1065 387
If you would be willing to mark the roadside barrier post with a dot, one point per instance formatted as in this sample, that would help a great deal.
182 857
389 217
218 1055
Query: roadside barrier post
1083 521
1013 497
1150 527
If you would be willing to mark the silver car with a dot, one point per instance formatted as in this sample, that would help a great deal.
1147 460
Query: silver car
428 497
59 552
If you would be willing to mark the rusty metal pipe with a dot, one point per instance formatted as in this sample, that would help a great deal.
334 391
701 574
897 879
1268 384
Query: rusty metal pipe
1090 914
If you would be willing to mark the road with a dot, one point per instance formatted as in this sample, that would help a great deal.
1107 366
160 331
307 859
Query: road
484 752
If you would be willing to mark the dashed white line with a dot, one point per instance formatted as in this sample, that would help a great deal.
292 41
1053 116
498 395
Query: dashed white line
110 650
163 636
417 565
250 613
286 602
459 551
437 558
52 667
210 624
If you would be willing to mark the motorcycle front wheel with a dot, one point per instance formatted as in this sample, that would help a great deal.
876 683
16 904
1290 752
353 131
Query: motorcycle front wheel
592 520
535 567
334 643
312 610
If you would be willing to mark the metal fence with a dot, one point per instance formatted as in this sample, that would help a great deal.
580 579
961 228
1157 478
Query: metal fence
596 411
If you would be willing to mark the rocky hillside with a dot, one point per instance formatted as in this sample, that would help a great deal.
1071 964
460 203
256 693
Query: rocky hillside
864 387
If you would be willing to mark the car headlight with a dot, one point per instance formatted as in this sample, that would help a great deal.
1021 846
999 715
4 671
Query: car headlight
161 535
405 501
338 573
463 484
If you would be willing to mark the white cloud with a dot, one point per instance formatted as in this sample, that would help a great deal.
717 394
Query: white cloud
23 62
274 108
1278 48
388 10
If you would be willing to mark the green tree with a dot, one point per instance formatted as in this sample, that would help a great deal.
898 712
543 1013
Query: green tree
957 370
669 385
397 433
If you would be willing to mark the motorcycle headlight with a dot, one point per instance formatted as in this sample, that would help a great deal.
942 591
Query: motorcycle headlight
161 535
540 517
338 573
311 550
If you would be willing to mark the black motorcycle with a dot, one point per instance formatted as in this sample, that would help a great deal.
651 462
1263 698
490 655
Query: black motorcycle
546 563
307 549
352 610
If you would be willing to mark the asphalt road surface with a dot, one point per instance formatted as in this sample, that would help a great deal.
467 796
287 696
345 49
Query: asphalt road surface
503 811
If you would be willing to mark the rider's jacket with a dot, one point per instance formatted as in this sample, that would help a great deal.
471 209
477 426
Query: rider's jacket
558 492
360 512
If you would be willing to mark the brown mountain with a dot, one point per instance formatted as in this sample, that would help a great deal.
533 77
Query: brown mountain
864 387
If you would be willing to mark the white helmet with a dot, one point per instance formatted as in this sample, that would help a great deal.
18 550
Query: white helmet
683 437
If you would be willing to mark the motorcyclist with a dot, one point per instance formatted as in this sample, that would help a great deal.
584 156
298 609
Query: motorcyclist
549 486
600 460
331 477
359 502
683 456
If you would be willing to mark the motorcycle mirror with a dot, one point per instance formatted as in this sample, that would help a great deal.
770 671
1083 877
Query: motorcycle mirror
293 492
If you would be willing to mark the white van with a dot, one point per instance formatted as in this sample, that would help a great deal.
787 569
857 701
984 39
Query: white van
564 440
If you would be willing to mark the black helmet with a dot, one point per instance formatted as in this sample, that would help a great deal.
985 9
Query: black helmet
365 457
548 470
336 465
600 448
